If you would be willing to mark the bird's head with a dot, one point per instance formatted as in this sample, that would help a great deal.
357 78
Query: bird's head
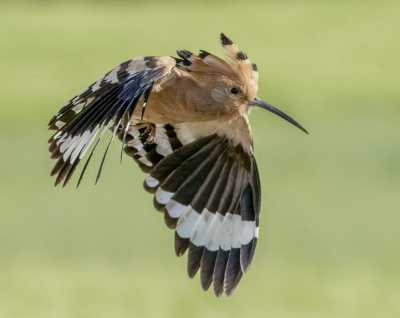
229 85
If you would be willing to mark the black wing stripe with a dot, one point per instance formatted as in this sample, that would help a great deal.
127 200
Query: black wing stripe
70 172
219 271
208 191
196 175
224 236
105 154
207 265
70 150
104 101
181 174
90 113
182 177
224 188
233 273
91 154
200 229
200 200
181 161
153 156
170 163
219 224
194 259
188 190
164 145
214 200
212 225
79 104
247 253
227 196
181 245
170 222
256 186
190 187
248 228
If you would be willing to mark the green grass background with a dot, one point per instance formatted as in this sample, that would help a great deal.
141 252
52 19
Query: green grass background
329 241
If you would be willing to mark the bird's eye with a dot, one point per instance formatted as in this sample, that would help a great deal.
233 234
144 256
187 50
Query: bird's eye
234 90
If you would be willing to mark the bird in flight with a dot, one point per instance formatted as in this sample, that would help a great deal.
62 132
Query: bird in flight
184 121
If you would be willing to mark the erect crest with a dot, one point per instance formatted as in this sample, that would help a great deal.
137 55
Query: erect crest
236 64
239 61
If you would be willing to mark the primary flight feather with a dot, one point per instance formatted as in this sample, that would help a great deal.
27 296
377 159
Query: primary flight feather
185 123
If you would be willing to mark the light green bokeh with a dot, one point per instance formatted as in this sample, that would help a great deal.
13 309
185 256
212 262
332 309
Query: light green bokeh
329 239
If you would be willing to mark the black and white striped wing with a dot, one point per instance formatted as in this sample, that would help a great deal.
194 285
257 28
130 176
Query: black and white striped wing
106 101
209 192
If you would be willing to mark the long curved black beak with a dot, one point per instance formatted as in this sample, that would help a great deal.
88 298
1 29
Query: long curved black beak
260 103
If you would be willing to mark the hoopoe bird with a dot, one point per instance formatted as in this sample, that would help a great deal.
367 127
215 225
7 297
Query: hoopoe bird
185 122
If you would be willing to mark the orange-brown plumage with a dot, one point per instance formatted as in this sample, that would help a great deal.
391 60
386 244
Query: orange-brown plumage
185 122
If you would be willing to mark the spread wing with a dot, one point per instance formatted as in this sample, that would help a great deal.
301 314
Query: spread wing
106 101
203 175
208 189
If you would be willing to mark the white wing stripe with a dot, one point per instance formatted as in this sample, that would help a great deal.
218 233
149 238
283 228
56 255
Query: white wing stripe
226 232
163 196
175 209
199 234
152 183
248 231
95 131
145 161
186 222
236 231
213 233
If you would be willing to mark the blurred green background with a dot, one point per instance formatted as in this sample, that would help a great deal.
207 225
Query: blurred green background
329 240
